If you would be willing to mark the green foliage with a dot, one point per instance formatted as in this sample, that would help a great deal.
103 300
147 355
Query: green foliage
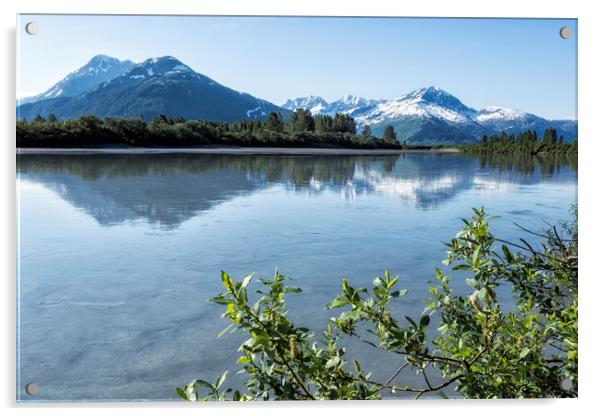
300 121
479 348
341 123
274 122
523 143
301 130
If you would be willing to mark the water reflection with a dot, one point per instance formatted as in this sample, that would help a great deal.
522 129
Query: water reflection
168 189
123 303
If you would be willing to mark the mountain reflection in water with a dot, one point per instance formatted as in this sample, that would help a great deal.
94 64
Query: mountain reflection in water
168 189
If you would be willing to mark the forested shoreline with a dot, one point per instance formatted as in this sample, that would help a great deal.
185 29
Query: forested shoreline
525 143
302 129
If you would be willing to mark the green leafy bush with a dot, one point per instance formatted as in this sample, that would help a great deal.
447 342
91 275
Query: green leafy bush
479 349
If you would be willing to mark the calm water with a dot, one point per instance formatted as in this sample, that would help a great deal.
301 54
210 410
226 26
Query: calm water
118 253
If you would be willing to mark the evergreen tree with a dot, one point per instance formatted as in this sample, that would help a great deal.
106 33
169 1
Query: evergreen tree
301 120
344 123
324 124
274 122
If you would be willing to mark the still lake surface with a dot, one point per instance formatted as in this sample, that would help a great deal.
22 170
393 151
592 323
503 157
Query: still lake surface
118 253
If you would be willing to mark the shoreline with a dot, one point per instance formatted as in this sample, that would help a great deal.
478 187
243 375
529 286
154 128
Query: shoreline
301 151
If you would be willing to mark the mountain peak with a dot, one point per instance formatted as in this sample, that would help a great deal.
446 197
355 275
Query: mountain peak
162 65
99 59
434 96
430 94
314 103
99 69
353 100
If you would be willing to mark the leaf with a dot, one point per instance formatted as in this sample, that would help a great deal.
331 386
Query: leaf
424 321
227 281
258 339
337 303
220 300
411 321
507 253
221 379
345 285
524 352
225 330
392 282
462 267
181 393
475 256
243 360
230 308
471 282
399 293
246 280
332 362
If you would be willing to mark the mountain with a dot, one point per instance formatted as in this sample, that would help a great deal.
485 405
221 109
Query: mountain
348 104
514 121
99 69
433 116
157 86
314 104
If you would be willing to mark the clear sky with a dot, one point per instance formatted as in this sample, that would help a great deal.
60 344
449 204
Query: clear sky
522 64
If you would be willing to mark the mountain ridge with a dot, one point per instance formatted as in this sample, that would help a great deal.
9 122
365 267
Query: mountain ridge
108 87
431 115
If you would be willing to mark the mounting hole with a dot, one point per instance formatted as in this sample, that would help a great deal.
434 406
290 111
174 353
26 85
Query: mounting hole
32 28
565 32
32 389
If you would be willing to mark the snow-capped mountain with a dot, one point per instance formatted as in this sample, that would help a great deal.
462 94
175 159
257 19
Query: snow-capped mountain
348 104
514 121
433 116
157 86
106 86
99 69
315 104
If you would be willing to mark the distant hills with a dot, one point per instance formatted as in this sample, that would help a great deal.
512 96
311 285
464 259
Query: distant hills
106 86
433 116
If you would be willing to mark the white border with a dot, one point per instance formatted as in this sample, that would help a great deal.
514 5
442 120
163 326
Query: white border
590 188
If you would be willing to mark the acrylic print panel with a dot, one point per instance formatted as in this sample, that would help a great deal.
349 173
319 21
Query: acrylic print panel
295 182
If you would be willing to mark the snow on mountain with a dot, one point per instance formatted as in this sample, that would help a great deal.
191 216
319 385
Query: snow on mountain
429 101
165 66
494 113
436 115
314 104
426 102
99 69
350 104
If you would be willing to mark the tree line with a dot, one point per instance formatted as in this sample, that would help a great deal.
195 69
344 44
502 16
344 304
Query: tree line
526 142
301 129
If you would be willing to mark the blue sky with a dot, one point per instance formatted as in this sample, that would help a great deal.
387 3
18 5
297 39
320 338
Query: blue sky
521 64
